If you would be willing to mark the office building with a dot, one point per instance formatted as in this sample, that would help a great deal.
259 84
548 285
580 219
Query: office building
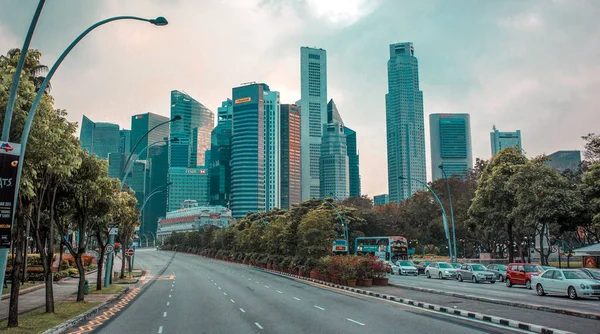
291 188
192 217
140 125
381 199
334 181
272 150
500 140
220 168
405 125
450 145
353 162
313 105
138 180
248 149
98 138
563 161
187 184
124 141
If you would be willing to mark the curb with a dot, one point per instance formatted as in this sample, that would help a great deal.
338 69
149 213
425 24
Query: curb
502 302
25 291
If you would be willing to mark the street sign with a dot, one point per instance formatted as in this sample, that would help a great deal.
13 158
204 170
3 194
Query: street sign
554 249
129 252
9 161
113 231
110 248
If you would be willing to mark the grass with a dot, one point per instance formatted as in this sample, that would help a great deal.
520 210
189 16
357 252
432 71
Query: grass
21 287
38 321
136 273
112 289
126 280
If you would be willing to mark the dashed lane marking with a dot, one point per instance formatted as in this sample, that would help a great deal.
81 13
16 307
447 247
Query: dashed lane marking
296 298
241 309
319 307
279 291
165 315
354 321
160 329
258 325
232 301
168 303
225 293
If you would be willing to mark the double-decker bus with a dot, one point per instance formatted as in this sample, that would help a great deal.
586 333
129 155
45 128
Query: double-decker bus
391 248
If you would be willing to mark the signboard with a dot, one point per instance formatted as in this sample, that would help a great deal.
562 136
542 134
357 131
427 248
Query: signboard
243 100
340 245
554 249
380 255
129 252
9 160
369 248
113 231
110 248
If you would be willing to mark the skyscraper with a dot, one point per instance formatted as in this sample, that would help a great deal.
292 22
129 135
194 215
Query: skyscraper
291 190
99 138
220 168
405 124
272 150
334 181
381 199
187 184
353 162
248 149
565 160
140 125
313 106
124 141
450 144
500 140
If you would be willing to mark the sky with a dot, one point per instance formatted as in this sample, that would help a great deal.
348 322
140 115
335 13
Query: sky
532 65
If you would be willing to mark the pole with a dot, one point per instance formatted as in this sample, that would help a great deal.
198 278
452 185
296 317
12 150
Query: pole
128 167
107 275
451 210
344 226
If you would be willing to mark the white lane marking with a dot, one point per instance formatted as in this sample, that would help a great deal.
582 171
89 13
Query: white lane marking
165 315
241 309
211 280
219 288
279 291
249 279
296 298
258 325
242 275
169 296
215 283
266 286
225 293
232 301
168 303
354 321
319 307
256 282
171 290
160 329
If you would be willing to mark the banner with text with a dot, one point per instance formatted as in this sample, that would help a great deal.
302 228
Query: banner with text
9 160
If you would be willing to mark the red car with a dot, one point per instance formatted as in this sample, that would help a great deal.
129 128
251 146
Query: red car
520 274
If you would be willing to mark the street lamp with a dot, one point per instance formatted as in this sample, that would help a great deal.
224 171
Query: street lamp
451 208
444 217
159 21
128 168
344 225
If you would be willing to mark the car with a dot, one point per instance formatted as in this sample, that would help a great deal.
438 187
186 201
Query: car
421 266
475 272
548 268
456 265
440 270
521 274
393 267
592 273
406 267
571 282
499 270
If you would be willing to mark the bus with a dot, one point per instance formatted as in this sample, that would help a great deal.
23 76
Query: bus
391 248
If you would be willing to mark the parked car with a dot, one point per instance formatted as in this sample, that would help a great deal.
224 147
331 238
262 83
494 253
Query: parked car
406 267
592 273
440 270
456 265
548 268
475 272
499 270
393 268
571 282
521 274
421 266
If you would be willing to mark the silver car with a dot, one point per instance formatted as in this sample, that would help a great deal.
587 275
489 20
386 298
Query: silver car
475 272
499 270
440 270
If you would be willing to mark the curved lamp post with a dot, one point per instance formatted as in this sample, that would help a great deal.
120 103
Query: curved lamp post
451 209
344 225
128 168
444 217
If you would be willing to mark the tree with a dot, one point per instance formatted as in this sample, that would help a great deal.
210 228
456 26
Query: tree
591 153
128 219
35 73
590 189
315 235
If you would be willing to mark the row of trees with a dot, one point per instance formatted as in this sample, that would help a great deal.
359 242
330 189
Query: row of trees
64 190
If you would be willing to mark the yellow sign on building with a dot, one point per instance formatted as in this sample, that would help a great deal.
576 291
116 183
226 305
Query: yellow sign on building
243 100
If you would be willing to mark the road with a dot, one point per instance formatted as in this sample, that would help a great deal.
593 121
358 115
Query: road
198 295
497 291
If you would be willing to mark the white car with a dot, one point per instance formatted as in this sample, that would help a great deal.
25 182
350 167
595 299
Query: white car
572 283
405 267
440 270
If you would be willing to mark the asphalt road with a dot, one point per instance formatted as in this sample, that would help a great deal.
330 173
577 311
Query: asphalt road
498 291
198 295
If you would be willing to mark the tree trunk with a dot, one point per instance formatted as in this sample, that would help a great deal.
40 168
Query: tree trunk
100 261
13 310
511 248
26 246
61 252
123 248
543 258
81 270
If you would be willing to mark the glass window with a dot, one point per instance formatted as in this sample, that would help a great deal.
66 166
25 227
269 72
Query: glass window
478 267
548 274
573 274
445 266
533 269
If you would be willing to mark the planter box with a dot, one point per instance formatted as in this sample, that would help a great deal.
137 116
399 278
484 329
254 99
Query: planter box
367 282
351 283
381 281
314 274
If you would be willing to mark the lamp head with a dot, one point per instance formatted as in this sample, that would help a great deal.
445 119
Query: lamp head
441 166
176 118
159 21
401 177
170 183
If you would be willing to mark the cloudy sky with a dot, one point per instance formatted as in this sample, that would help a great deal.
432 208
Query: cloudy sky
518 64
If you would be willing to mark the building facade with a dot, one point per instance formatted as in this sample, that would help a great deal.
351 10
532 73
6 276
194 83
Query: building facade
192 217
381 199
563 161
272 150
291 177
220 168
500 140
187 184
405 124
248 149
450 145
99 139
334 181
313 105
140 125
353 162
124 141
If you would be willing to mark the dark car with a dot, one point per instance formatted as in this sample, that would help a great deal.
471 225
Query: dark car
421 267
499 270
593 273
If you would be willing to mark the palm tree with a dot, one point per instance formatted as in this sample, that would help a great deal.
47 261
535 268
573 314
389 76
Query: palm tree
36 74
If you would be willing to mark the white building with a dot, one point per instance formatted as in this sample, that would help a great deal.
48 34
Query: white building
192 217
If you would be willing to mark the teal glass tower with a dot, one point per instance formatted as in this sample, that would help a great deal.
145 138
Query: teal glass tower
563 161
405 124
98 138
500 140
248 149
220 167
272 150
450 145
353 162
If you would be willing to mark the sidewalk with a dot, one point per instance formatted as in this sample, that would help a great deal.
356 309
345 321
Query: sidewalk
63 290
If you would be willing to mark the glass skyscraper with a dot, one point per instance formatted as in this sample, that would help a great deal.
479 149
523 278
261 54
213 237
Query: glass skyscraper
124 141
353 162
565 160
272 150
313 106
220 168
500 140
450 145
187 184
381 199
405 124
334 181
98 138
248 149
291 190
